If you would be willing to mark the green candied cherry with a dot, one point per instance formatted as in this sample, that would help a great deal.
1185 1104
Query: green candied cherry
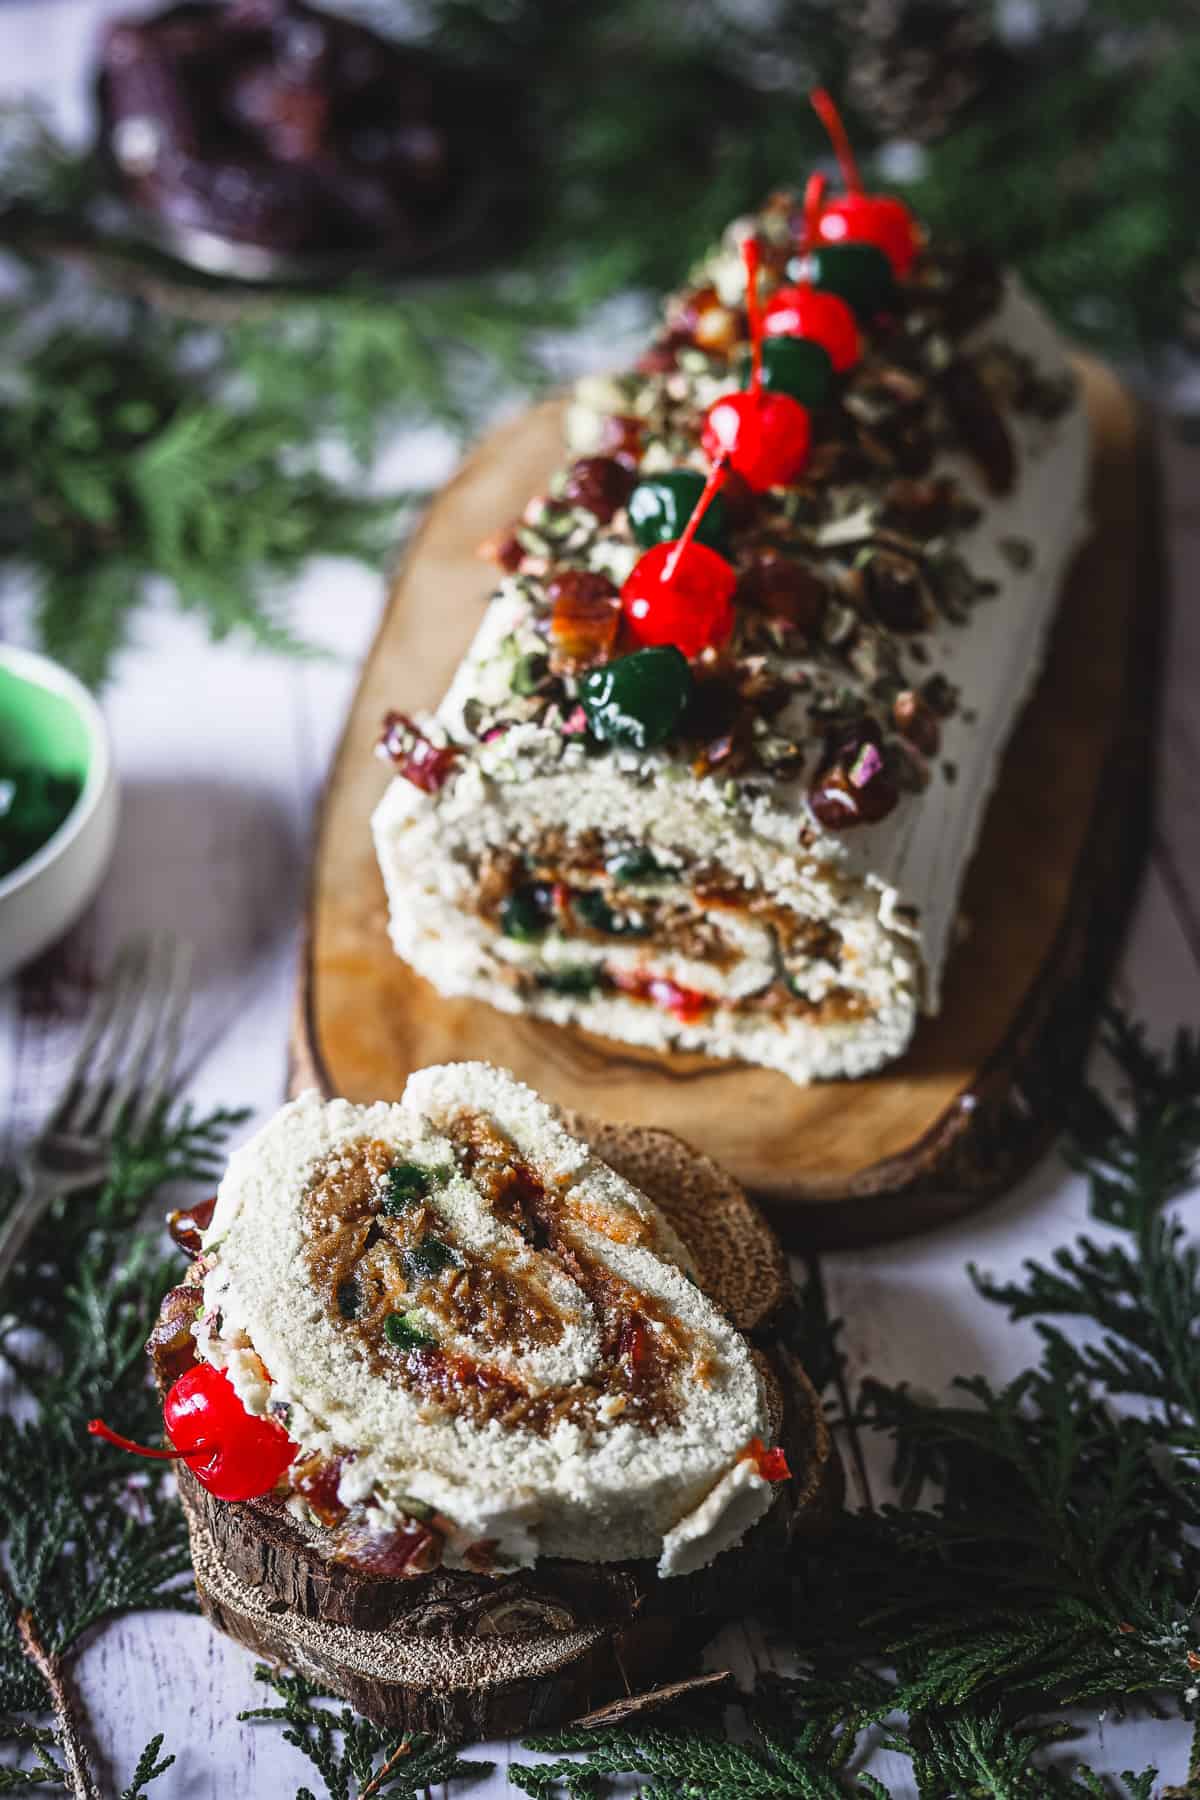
408 1331
404 1184
859 274
595 911
798 366
426 1260
578 980
637 701
527 912
661 505
636 864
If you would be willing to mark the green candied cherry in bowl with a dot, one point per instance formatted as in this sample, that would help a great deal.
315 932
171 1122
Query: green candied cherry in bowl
58 803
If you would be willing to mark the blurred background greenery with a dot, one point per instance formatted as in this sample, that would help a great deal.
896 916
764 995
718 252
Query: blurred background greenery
155 422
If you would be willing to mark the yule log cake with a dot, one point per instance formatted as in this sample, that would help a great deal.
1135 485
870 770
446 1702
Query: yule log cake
438 1369
710 773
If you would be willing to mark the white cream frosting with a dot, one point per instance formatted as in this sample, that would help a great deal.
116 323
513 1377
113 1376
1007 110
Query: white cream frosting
679 1493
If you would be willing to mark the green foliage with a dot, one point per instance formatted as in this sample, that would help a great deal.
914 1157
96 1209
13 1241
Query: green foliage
1042 1552
84 1536
153 448
119 461
149 1768
346 1749
953 1756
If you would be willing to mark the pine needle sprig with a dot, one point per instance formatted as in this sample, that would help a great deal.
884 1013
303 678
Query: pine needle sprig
1143 1289
150 1765
960 1755
126 455
352 1756
1042 1551
83 1539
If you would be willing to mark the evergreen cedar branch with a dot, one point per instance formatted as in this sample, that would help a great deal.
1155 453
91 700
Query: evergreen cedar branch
1042 1551
1066 161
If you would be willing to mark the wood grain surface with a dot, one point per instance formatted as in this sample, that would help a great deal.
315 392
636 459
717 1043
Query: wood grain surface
1044 905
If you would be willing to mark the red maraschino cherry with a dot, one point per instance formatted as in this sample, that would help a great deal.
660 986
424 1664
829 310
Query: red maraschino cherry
681 592
764 435
805 311
234 1454
808 312
858 217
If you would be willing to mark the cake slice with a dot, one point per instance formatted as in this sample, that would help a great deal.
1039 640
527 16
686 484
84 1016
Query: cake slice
753 849
509 1402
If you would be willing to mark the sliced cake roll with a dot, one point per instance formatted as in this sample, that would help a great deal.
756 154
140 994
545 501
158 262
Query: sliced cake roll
471 1429
747 835
486 1346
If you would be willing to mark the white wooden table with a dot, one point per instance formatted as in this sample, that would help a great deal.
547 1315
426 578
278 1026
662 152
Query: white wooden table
221 754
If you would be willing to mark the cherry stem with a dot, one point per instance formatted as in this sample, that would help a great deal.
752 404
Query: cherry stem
712 486
752 258
814 203
831 119
99 1429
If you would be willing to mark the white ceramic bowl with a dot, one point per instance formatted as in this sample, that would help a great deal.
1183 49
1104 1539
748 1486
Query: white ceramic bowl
40 703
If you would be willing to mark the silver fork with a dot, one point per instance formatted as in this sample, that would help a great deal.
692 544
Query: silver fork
121 1074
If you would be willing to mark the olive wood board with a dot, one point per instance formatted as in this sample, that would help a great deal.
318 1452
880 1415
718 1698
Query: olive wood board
970 1106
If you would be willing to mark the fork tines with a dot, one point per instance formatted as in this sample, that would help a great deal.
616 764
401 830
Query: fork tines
124 1065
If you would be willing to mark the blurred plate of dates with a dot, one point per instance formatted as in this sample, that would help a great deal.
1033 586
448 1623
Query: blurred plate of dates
269 141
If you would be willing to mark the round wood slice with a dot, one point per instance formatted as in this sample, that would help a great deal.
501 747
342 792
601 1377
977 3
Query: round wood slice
471 1654
1047 895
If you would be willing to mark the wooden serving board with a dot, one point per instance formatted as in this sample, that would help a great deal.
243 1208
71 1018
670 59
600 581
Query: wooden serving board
1045 903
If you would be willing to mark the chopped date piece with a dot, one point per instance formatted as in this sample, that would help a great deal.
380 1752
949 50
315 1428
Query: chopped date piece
783 589
316 1480
413 1548
599 483
839 801
895 591
185 1225
853 786
585 617
979 422
663 354
739 501
503 548
916 720
633 1344
427 765
171 1343
707 321
926 508
728 754
621 437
